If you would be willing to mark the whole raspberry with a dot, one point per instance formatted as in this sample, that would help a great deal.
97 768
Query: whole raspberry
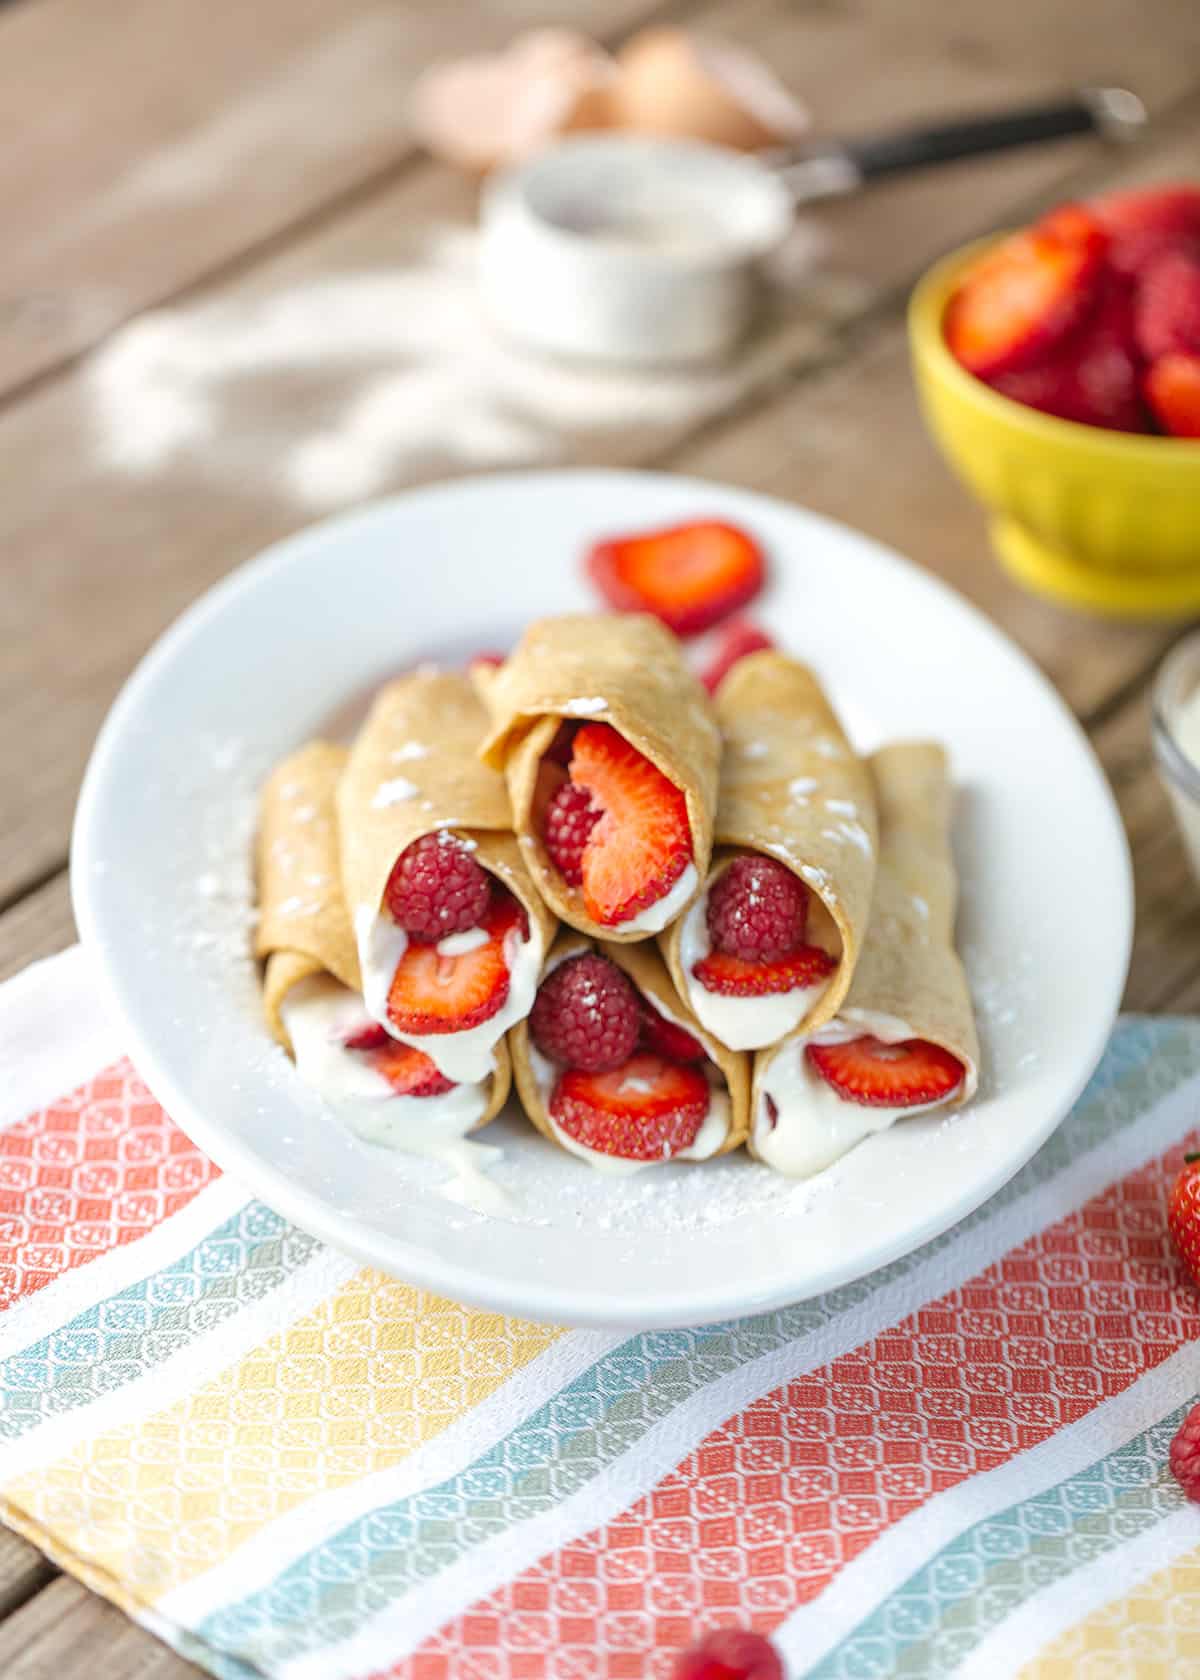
570 818
1185 1455
757 910
436 888
586 1015
730 1654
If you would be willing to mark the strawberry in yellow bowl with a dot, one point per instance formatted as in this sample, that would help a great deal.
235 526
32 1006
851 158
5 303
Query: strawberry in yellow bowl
1058 368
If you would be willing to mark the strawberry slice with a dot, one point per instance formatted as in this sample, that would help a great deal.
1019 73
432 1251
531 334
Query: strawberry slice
1173 392
878 1075
434 994
409 1072
1024 297
1093 377
691 576
1144 224
663 1038
738 638
734 977
642 842
647 1110
370 1037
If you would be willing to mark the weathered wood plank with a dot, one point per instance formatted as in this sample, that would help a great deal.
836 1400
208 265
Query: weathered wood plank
151 142
23 1571
37 926
66 1630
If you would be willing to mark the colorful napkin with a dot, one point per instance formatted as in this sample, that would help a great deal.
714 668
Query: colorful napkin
287 1465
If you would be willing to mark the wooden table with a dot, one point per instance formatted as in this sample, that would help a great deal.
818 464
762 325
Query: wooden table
172 172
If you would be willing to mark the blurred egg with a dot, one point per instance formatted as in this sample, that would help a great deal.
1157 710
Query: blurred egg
672 81
495 108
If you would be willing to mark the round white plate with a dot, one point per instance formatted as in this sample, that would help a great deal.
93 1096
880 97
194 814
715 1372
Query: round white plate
162 889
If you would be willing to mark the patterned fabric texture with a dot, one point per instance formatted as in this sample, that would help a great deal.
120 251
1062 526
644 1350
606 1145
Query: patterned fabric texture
289 1466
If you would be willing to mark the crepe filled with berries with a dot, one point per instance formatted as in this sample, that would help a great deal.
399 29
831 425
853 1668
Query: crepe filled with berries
312 982
904 1040
612 1066
449 928
610 749
769 947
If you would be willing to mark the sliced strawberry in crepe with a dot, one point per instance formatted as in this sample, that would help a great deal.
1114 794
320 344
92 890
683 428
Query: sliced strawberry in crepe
732 976
647 1110
663 1038
868 1071
691 576
642 842
431 993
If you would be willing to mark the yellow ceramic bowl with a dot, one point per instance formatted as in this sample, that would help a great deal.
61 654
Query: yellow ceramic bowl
1108 521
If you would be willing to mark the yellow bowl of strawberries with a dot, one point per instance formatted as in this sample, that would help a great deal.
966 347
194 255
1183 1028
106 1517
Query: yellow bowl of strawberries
1059 370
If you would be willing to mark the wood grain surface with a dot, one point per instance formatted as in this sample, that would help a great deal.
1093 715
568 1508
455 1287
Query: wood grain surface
184 173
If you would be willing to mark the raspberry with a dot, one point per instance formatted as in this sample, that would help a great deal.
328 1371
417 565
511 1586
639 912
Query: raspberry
730 1654
1185 1455
436 888
586 1015
757 910
570 818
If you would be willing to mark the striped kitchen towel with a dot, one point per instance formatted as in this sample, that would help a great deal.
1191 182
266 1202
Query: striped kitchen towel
287 1465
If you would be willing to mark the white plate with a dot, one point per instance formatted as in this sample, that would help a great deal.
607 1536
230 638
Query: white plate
162 888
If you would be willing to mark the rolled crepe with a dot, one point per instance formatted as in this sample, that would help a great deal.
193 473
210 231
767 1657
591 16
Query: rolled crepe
909 982
413 770
646 969
303 931
624 669
792 788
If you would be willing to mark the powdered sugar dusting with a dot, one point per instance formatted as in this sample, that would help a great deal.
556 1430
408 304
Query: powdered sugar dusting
394 792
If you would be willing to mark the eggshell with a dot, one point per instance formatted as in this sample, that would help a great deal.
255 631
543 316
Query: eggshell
674 81
495 108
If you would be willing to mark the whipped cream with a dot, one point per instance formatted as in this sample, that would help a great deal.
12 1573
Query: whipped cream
319 1013
714 1128
465 1057
664 910
740 1023
814 1125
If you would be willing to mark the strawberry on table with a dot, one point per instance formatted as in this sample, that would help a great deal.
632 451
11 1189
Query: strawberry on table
691 576
739 638
868 1071
642 842
1185 1455
1183 1214
1173 392
648 1109
431 993
731 976
1021 300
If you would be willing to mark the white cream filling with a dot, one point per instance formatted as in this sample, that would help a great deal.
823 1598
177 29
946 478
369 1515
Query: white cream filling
714 1128
814 1125
465 1057
319 1014
663 911
740 1023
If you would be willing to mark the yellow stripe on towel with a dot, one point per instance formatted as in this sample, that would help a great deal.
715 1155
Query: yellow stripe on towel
354 1387
1153 1633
